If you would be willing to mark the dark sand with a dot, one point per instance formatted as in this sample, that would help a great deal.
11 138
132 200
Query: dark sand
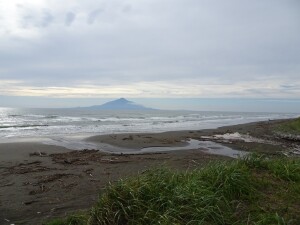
38 181
261 130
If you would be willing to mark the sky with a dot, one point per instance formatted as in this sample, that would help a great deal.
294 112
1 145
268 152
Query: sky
149 49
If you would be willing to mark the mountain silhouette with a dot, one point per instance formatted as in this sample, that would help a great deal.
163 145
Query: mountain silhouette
120 104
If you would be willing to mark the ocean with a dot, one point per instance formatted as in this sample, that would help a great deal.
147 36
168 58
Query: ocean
33 123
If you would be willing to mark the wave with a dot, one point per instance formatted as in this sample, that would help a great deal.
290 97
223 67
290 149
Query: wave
51 117
23 126
14 115
116 119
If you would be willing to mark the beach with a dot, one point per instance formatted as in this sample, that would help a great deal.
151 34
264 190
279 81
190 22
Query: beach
39 181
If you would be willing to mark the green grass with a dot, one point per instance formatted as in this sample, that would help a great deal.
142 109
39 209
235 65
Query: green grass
255 190
292 127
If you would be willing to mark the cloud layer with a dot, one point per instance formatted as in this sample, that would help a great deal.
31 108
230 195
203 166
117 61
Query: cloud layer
157 48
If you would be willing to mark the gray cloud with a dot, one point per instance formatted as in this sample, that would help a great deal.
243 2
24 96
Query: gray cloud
127 8
47 19
70 18
93 15
205 42
34 18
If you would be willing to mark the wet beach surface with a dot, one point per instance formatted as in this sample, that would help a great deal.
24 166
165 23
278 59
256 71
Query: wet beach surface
41 181
47 184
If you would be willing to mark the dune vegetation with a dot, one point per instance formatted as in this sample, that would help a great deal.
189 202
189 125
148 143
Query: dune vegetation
255 190
292 127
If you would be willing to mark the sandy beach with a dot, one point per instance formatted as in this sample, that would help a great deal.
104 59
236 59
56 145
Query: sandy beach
39 182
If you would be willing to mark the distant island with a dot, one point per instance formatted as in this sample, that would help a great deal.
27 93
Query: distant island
120 104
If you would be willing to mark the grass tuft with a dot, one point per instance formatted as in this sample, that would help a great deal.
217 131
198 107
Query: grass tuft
166 197
270 219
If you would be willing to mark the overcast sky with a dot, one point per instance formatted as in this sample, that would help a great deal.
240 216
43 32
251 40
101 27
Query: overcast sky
150 48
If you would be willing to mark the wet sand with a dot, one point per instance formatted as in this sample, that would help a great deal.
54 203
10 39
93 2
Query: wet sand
264 138
39 181
53 184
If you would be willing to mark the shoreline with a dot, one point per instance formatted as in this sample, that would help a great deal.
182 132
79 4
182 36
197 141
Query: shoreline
39 181
80 141
260 131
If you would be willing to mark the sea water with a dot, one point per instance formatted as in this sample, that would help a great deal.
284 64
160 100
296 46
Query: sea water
66 126
57 122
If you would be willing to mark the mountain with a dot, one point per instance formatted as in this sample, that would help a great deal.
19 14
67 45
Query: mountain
120 104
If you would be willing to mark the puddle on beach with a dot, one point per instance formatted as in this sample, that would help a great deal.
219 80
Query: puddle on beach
205 146
192 144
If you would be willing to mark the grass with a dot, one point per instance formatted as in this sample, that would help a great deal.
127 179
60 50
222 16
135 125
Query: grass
292 127
255 190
